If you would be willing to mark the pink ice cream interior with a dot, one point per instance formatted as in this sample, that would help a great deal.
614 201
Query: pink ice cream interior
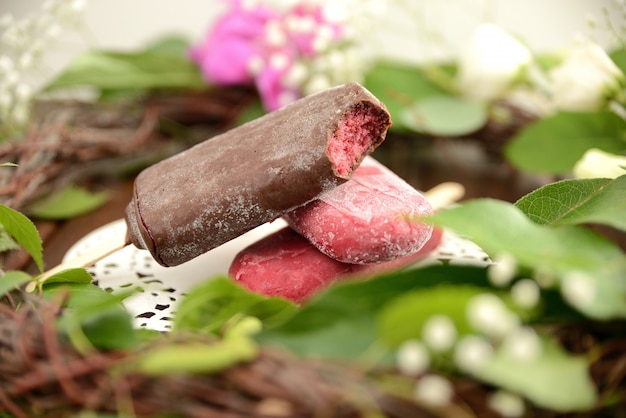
355 134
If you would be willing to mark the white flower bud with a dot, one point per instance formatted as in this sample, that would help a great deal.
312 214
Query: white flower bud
526 293
53 31
300 24
20 114
6 64
586 80
472 353
78 6
323 38
23 92
249 4
503 270
335 12
596 163
522 344
488 314
491 63
545 277
317 83
412 358
11 78
25 60
67 9
506 404
296 75
336 58
274 34
578 289
255 65
434 390
279 61
439 333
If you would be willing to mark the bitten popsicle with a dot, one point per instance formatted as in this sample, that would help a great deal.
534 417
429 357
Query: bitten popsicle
207 195
197 200
373 218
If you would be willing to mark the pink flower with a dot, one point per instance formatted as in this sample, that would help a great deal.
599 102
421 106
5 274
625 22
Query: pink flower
273 92
258 45
309 30
224 55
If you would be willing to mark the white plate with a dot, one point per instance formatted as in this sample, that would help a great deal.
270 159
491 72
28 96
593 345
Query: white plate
163 287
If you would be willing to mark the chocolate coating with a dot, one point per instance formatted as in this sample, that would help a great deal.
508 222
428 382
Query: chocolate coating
207 195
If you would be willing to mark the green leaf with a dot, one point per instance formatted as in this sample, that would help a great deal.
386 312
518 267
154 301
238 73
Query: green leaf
398 86
7 243
403 318
552 379
548 60
66 203
556 143
499 227
195 357
164 64
210 305
341 322
341 338
577 201
12 280
75 275
253 111
445 116
619 58
24 232
94 317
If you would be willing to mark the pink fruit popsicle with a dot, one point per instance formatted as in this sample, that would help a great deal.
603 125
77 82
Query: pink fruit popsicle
285 264
201 198
372 218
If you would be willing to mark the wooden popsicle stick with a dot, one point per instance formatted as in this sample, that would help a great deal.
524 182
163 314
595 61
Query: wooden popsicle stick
444 194
439 196
87 259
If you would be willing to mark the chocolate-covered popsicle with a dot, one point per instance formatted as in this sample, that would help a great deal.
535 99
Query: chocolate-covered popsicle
207 195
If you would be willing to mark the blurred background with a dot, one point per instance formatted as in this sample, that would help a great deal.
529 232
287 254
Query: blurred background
408 30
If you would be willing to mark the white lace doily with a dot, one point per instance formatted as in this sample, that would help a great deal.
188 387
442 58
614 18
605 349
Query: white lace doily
161 288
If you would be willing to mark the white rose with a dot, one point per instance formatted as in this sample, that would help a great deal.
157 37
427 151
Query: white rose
596 163
586 80
491 63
